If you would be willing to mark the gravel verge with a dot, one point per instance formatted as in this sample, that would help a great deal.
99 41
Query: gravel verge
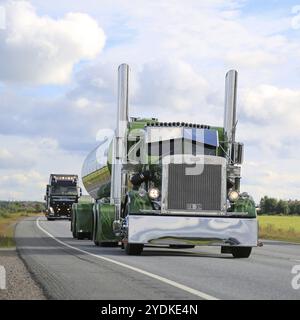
19 283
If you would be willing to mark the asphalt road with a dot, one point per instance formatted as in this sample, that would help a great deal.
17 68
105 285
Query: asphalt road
76 269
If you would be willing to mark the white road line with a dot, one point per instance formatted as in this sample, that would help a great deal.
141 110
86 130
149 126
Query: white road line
195 292
2 278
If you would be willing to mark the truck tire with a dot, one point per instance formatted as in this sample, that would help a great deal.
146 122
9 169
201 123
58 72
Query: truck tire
181 246
73 226
80 236
95 228
241 252
134 249
108 244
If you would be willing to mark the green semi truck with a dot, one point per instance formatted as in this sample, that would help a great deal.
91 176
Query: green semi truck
169 183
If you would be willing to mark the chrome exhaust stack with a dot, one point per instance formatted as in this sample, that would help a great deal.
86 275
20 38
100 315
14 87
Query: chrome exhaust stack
235 150
230 109
119 144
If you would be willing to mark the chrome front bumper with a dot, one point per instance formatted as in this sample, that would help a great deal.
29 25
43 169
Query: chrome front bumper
217 231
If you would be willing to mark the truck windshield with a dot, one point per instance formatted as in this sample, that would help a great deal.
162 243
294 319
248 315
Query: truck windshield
70 190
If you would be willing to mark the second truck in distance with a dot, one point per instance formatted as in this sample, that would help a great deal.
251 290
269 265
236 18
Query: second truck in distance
61 192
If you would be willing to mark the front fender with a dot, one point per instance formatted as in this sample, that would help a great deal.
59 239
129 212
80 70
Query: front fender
245 204
138 202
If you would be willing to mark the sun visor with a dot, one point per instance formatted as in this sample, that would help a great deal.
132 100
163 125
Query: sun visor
205 136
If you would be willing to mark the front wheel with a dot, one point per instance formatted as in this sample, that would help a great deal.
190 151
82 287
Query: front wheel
80 236
241 252
134 249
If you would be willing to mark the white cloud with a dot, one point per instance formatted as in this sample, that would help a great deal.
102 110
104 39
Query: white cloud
23 182
22 185
40 49
273 177
272 106
252 59
270 129
82 103
171 83
9 160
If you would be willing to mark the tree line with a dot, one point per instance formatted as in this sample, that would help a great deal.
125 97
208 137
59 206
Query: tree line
7 207
278 206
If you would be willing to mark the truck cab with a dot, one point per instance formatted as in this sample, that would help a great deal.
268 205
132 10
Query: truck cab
61 192
182 190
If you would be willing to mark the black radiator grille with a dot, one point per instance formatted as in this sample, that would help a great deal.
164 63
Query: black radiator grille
194 192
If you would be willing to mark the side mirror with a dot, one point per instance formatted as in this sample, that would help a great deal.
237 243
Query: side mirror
237 155
45 198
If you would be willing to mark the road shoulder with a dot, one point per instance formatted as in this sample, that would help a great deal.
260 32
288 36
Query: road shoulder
20 284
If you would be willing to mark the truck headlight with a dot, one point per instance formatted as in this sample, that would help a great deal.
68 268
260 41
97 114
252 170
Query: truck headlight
153 193
233 195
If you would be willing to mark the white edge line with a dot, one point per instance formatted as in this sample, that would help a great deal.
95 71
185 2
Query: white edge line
146 273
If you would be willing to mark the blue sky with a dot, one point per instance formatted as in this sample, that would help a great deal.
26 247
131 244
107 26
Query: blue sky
58 81
259 7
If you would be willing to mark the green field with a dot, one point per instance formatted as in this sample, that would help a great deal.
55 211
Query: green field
286 228
7 227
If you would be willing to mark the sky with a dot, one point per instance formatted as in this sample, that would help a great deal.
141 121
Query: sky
58 81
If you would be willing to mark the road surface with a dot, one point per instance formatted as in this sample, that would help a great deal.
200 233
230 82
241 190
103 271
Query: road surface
77 269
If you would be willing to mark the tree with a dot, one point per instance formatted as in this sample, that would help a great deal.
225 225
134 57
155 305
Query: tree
274 206
282 207
268 205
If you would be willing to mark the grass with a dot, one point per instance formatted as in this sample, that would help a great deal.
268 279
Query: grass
7 227
285 228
